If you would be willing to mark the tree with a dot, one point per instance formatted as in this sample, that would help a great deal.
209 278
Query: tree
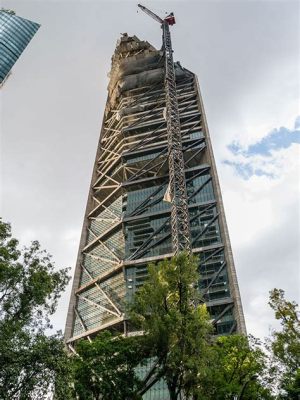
285 344
31 362
176 324
237 368
177 346
106 367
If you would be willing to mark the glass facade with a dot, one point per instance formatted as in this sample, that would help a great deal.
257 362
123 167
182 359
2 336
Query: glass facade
15 34
127 221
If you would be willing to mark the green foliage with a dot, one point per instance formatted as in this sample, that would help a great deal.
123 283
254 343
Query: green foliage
29 290
177 338
285 344
29 284
237 368
31 365
106 367
179 342
177 327
178 330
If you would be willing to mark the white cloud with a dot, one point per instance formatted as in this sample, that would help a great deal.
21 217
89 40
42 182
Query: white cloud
264 223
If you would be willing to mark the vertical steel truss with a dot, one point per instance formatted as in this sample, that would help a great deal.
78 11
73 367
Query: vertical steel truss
180 225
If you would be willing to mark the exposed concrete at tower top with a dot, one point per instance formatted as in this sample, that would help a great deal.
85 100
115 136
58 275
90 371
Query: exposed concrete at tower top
135 63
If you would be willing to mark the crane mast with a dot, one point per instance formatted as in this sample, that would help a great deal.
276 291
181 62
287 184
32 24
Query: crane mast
180 226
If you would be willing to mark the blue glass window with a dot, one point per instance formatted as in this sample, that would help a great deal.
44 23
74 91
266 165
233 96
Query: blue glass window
15 34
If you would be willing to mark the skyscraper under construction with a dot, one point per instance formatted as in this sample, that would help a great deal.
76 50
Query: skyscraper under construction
130 218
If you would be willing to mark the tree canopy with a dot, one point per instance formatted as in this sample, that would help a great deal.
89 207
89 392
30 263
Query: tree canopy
178 347
176 344
30 286
175 322
285 345
105 368
237 369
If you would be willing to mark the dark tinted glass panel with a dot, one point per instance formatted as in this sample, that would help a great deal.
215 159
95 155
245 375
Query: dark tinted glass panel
15 34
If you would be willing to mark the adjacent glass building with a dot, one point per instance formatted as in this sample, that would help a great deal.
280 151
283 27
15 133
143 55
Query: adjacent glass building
127 221
15 34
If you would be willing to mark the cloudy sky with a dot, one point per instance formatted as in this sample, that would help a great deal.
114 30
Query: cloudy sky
246 55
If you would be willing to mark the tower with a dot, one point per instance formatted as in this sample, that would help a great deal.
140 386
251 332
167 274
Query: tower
16 33
127 223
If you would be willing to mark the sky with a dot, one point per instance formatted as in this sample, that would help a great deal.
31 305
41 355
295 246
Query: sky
246 56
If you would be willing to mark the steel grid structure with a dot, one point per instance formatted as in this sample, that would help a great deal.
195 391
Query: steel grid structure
127 222
180 224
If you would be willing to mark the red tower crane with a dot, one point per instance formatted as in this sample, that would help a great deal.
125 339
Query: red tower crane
180 225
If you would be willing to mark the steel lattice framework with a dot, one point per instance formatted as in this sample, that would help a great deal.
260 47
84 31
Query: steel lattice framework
179 212
180 226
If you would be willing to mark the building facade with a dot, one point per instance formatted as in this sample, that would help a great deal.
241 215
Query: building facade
127 220
15 34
